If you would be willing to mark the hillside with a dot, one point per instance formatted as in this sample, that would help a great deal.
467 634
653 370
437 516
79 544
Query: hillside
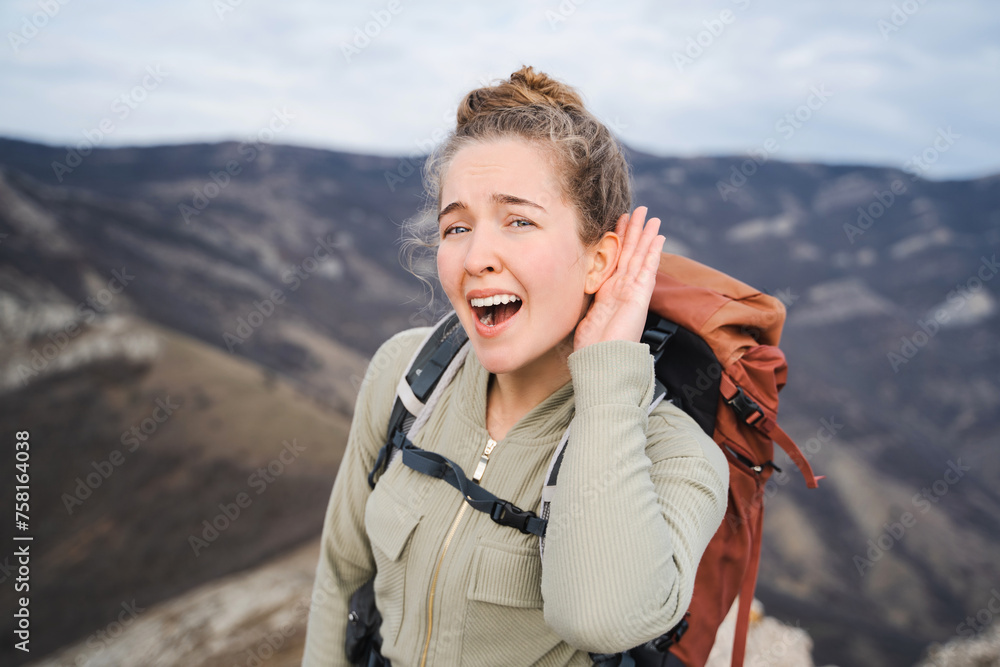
139 437
892 387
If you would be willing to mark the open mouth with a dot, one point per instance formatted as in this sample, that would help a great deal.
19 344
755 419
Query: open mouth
494 310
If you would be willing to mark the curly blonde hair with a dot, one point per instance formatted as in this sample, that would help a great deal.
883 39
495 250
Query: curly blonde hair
588 161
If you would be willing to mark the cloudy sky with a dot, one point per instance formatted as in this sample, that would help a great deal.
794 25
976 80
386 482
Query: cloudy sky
855 81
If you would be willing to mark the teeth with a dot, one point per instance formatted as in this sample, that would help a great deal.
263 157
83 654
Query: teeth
494 300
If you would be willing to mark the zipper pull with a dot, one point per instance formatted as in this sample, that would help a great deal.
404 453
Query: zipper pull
483 460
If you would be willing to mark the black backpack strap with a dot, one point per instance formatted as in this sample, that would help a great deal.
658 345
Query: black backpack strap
612 660
654 653
501 511
657 333
435 356
421 378
413 397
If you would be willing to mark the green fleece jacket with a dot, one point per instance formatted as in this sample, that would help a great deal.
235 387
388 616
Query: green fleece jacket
639 496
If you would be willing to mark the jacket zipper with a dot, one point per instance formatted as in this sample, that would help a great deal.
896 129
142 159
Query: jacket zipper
483 460
476 476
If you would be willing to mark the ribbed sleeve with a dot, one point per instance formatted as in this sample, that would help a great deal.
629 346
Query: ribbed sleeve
345 560
638 498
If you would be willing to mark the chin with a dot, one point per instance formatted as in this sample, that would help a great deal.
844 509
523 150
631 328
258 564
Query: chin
496 361
516 348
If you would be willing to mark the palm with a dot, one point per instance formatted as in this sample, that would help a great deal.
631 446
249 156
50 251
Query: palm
619 308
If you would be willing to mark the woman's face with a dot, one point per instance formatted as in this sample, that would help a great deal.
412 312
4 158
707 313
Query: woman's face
510 258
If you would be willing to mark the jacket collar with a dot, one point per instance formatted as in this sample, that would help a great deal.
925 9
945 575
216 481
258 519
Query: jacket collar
541 425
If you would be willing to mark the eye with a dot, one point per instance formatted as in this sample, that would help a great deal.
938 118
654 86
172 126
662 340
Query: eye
521 223
453 230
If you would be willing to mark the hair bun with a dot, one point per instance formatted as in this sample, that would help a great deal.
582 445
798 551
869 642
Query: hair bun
524 87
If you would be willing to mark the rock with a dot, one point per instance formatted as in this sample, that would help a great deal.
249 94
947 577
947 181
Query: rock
770 643
982 650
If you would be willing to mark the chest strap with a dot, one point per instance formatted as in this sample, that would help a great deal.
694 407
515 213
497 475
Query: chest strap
501 511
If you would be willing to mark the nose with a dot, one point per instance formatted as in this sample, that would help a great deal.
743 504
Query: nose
481 253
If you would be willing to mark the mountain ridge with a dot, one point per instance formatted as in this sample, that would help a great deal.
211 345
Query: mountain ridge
853 300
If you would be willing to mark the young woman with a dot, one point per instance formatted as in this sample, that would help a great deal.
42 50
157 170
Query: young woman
550 276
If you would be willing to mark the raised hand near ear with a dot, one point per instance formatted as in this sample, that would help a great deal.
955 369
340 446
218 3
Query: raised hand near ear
620 304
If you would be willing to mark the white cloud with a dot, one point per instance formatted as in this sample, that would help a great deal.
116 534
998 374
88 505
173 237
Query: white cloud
941 68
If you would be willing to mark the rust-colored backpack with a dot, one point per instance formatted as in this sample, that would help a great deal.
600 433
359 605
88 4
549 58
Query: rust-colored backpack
731 389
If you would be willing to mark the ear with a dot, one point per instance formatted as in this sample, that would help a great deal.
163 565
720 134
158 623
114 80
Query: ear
603 260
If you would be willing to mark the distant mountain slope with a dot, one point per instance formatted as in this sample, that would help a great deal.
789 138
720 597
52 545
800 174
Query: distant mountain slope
140 436
291 242
256 617
889 282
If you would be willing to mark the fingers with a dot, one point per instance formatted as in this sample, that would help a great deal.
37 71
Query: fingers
644 251
639 259
630 238
652 264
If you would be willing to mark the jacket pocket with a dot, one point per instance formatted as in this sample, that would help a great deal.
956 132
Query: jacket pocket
390 524
504 623
506 574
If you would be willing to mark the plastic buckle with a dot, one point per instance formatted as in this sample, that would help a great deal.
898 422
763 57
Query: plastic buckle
745 407
655 339
672 636
656 333
507 514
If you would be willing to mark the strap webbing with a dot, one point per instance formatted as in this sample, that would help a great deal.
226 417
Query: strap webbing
730 391
423 379
612 660
429 372
775 432
503 512
438 357
656 334
746 594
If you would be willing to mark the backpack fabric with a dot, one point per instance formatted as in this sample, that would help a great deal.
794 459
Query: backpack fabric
714 340
734 397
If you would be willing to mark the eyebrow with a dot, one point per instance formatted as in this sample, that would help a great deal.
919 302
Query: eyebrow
496 198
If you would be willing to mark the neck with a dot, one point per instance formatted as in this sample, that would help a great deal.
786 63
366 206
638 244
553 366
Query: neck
512 395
